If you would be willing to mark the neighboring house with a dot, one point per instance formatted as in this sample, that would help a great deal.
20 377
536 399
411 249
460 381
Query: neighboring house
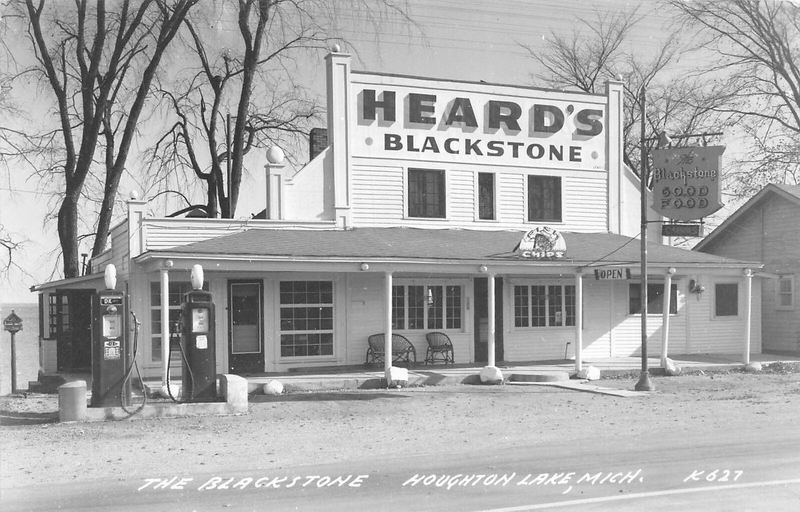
428 195
766 229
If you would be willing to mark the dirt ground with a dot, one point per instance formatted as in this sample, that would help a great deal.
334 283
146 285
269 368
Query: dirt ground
308 428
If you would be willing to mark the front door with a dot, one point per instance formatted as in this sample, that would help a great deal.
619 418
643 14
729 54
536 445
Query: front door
482 319
245 332
74 330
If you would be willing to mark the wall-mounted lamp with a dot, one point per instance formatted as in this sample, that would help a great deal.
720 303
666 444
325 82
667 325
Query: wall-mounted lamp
696 287
364 266
483 269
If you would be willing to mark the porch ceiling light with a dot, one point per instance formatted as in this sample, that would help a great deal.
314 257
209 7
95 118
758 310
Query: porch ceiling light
364 266
483 269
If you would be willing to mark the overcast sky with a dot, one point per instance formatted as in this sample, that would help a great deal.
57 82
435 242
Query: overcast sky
460 39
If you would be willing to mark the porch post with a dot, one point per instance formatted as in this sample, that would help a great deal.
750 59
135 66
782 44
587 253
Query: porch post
491 334
748 292
665 316
165 323
578 321
387 326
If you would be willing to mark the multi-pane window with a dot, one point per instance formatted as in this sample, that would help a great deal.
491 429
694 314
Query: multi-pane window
177 291
726 299
544 198
306 318
426 307
785 292
57 314
486 196
426 193
655 299
544 305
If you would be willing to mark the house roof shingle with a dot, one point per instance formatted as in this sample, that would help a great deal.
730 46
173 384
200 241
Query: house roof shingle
429 244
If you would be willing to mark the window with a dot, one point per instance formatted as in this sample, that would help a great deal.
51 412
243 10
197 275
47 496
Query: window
655 299
726 299
177 290
544 305
785 292
426 193
306 318
486 196
426 307
57 314
544 198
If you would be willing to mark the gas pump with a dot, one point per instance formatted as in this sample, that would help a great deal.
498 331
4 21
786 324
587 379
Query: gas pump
198 334
110 347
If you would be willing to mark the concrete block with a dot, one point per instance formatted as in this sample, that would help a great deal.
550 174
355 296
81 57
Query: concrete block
491 375
72 401
671 369
589 373
396 377
234 390
752 367
273 387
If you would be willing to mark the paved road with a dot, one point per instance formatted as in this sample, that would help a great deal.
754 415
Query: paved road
731 470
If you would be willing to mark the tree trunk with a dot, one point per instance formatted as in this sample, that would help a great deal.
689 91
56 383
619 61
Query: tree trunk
68 234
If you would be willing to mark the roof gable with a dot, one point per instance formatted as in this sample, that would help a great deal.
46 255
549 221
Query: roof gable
772 190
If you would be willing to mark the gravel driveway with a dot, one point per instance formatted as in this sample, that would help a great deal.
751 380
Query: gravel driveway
308 428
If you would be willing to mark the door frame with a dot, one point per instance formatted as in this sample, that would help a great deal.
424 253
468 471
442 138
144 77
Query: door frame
481 310
261 333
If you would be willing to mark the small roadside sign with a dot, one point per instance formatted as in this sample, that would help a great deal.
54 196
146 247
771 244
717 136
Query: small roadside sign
682 230
12 323
611 273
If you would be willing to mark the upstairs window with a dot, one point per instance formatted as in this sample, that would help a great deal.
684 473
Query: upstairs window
486 209
544 199
426 193
785 292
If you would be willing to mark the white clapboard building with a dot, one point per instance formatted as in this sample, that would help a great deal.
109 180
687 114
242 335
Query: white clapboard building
501 216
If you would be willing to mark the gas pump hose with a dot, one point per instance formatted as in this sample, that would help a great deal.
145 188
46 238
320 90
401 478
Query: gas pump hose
186 364
129 370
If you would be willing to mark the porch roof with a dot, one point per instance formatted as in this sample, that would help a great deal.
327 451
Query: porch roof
391 243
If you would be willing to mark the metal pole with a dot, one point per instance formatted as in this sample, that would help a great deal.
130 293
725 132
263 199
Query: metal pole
644 383
228 157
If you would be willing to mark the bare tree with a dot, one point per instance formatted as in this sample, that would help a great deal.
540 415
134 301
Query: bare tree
594 52
99 64
205 137
756 48
217 121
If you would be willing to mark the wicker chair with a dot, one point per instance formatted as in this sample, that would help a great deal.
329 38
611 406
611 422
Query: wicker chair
402 349
440 348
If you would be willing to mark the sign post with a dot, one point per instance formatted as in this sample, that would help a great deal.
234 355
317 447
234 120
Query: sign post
13 324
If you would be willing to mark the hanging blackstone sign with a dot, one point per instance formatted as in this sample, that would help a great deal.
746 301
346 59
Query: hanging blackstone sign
687 181
543 243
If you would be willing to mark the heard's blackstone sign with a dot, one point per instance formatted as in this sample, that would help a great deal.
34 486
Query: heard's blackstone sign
687 181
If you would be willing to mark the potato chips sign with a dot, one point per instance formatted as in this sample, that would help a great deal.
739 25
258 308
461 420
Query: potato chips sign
687 181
